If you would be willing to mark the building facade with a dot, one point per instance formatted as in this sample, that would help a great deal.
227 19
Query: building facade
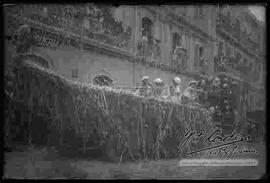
241 40
84 42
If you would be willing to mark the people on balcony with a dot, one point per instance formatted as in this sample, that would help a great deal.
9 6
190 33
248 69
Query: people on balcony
155 49
160 89
180 57
148 46
143 45
203 64
226 88
145 89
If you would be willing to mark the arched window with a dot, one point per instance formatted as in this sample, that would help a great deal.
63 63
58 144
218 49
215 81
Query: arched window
147 26
103 80
200 51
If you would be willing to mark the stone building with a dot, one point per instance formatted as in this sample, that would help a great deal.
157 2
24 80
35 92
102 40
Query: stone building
89 41
123 43
241 40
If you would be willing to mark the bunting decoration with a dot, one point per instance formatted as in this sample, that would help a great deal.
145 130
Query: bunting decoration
87 114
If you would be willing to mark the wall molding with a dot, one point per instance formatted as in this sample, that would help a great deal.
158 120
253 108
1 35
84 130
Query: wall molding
96 46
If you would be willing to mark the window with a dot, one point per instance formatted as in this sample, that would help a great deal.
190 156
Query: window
238 56
176 40
228 14
75 72
220 48
237 26
251 66
200 11
196 59
184 10
103 80
228 51
245 61
200 52
147 26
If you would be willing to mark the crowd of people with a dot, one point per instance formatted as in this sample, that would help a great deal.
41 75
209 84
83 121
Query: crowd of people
214 94
223 63
159 89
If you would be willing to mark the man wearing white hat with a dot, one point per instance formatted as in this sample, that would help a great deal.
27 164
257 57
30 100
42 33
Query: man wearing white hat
175 90
145 89
160 89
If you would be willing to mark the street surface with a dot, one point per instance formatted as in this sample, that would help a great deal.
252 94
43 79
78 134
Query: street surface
47 164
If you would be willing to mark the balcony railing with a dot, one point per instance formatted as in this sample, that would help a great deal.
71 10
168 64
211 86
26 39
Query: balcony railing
91 21
231 66
225 23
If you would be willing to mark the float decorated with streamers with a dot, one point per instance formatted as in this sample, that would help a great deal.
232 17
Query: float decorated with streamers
44 108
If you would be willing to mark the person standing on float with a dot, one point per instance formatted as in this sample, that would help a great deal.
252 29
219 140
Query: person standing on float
160 89
175 89
145 89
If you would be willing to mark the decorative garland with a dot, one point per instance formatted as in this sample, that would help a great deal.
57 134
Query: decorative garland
118 118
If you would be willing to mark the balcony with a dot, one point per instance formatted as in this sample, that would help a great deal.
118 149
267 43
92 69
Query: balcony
149 47
91 22
225 23
231 66
87 30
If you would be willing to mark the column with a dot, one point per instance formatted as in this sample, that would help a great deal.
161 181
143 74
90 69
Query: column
163 41
167 44
156 31
188 48
136 29
184 40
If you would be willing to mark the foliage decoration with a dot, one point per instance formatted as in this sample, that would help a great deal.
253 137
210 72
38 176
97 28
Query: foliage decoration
114 120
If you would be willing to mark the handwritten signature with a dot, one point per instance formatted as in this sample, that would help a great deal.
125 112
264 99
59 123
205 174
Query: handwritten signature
224 145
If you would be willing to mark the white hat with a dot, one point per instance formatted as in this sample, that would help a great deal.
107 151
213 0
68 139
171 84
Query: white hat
192 82
144 78
158 80
216 81
177 80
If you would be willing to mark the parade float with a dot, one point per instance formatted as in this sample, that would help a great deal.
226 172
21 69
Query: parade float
43 108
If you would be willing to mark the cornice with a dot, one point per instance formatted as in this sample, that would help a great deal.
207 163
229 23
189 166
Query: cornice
88 44
180 20
232 40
